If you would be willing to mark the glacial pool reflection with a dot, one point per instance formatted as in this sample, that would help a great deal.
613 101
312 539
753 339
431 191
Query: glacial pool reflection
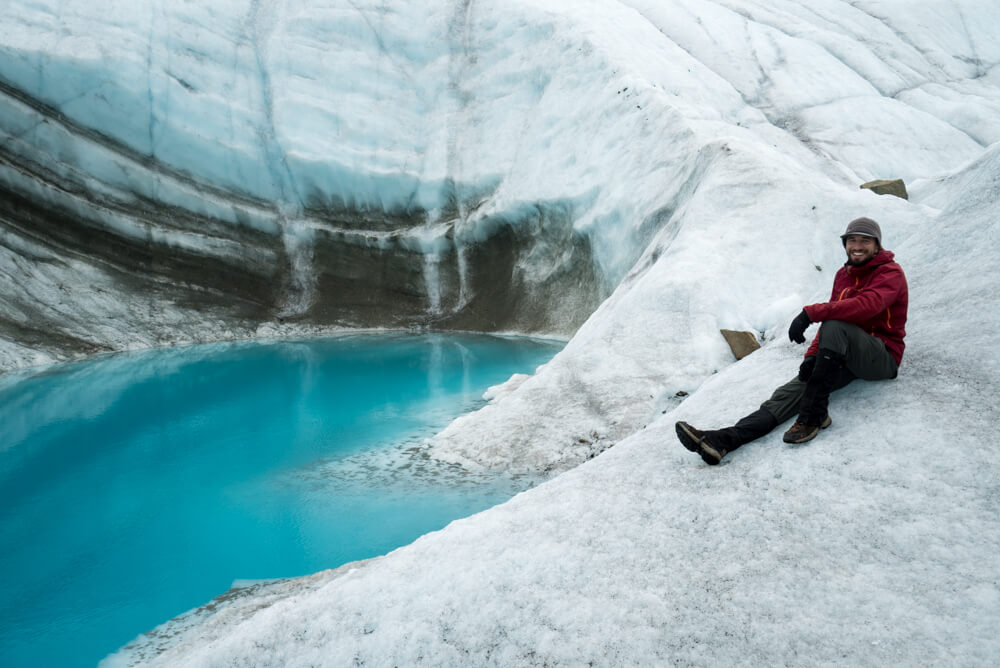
136 487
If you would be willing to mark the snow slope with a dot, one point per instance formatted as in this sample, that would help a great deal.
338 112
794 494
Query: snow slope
709 153
872 545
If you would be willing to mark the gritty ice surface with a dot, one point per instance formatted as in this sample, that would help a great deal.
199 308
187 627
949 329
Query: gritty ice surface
712 153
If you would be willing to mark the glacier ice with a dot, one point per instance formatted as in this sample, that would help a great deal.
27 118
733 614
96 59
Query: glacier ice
632 176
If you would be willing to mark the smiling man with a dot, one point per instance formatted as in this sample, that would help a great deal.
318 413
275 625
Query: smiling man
861 336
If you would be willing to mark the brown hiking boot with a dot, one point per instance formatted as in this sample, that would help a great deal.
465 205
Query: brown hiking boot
699 441
800 432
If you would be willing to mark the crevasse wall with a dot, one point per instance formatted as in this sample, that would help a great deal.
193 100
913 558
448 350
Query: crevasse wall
287 162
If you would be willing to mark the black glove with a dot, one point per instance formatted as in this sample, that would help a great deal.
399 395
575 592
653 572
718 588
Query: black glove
806 368
797 330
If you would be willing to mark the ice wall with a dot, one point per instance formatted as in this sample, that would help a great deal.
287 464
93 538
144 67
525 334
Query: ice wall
286 162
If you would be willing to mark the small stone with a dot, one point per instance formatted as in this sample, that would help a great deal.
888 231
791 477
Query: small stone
887 187
741 343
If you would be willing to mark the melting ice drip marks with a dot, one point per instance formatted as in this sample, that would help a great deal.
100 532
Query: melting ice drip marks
299 292
299 288
241 261
525 271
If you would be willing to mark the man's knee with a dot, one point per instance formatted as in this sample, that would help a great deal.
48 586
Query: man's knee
784 402
836 335
865 355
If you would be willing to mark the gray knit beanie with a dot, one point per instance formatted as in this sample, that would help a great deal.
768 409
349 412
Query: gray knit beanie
865 227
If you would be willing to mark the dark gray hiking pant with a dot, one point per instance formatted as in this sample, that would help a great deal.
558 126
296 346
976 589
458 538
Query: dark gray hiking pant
865 357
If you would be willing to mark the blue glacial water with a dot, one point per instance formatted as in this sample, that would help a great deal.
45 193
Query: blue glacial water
136 487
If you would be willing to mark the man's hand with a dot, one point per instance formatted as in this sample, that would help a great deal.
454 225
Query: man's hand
797 330
806 368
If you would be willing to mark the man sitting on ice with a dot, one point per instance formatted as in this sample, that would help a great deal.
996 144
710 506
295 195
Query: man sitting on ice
861 336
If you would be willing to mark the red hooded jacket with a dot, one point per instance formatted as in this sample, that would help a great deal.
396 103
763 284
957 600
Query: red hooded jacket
873 296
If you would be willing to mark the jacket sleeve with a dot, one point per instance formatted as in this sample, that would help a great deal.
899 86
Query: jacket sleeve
860 307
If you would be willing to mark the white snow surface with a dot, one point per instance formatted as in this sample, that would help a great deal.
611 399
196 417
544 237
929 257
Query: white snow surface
712 151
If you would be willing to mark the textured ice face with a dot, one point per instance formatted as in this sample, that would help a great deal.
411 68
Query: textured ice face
199 171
